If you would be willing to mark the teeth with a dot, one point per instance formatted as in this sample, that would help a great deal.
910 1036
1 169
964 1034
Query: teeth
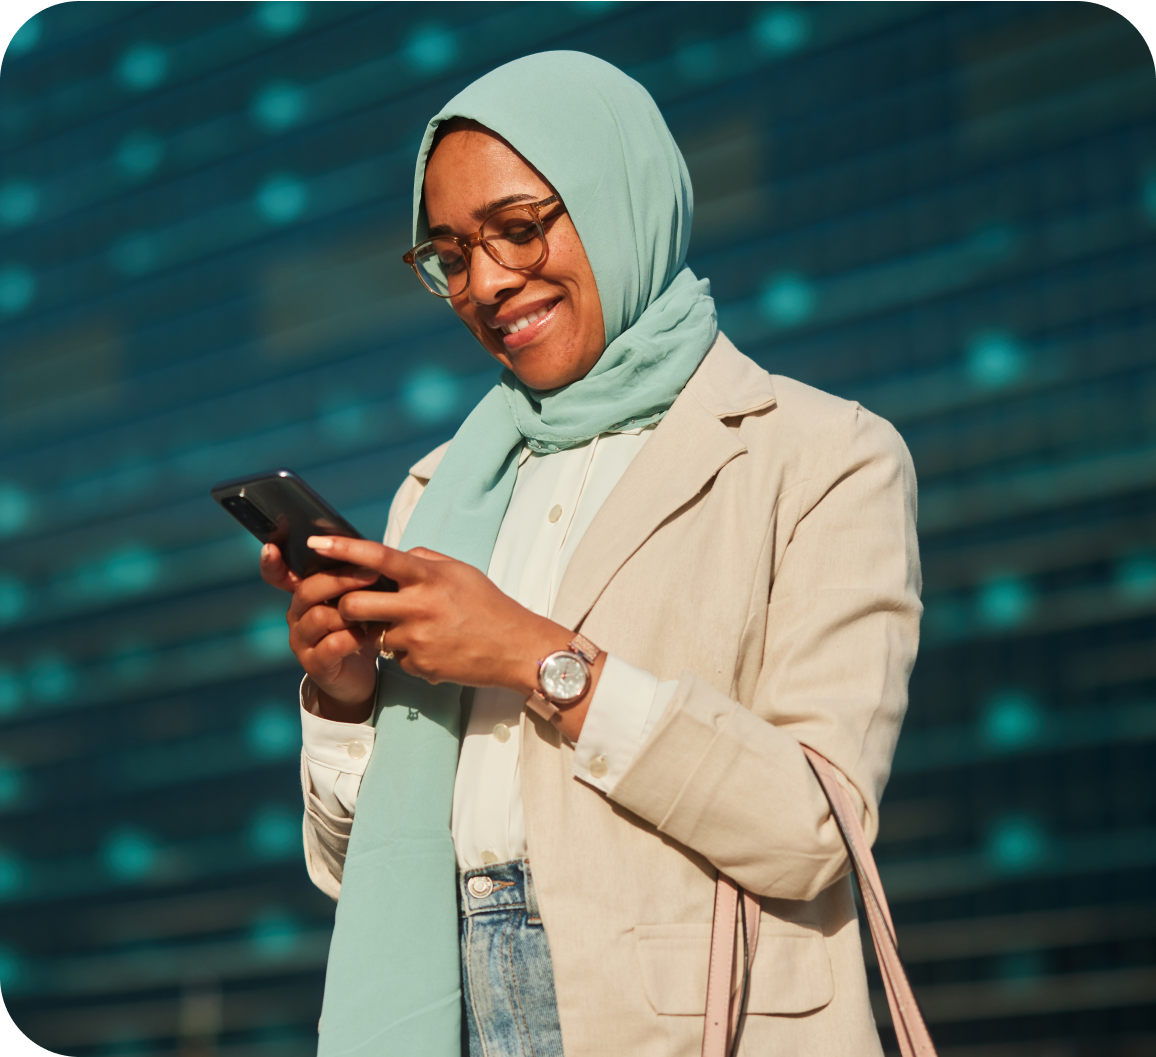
525 321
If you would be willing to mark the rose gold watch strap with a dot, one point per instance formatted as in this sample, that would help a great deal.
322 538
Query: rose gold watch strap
546 709
581 645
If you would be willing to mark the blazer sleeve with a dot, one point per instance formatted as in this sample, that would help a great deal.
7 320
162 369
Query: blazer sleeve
841 633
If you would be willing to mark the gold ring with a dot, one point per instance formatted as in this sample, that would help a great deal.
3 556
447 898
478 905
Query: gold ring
381 650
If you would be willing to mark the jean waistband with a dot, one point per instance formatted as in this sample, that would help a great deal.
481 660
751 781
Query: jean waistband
500 887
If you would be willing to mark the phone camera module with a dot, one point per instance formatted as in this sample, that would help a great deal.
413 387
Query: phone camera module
248 515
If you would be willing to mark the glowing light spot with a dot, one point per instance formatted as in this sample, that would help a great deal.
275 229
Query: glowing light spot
1020 969
15 509
431 394
142 67
19 202
282 198
781 30
131 570
343 420
27 37
278 106
13 600
11 783
274 731
17 288
787 300
139 154
430 49
994 359
1005 602
1011 719
12 874
11 692
697 62
129 855
1135 578
1148 197
51 678
275 833
134 254
1016 843
279 18
268 635
274 934
596 7
12 970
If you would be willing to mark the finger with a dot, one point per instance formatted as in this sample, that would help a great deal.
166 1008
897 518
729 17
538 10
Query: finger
333 648
318 622
321 587
429 556
397 565
376 607
274 571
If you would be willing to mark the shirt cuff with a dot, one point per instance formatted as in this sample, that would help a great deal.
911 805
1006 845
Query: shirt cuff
625 709
336 755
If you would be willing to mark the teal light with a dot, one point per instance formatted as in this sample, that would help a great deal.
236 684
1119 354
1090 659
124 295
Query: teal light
274 934
11 692
19 202
275 833
343 419
1005 602
12 875
278 106
1016 843
430 49
142 67
1135 578
282 198
1010 720
139 154
17 288
129 855
431 394
134 254
697 62
279 18
27 37
781 30
13 600
12 970
994 360
15 509
11 783
274 731
788 300
1148 196
131 570
268 635
51 678
1019 969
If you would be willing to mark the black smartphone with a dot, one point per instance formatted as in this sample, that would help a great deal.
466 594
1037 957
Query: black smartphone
279 507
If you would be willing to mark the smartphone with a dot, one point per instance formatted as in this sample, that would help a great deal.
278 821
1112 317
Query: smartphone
279 507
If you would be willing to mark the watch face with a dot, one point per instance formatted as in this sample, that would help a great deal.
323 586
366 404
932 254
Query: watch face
563 677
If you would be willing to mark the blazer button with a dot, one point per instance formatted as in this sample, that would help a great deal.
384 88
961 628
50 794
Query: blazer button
599 768
355 749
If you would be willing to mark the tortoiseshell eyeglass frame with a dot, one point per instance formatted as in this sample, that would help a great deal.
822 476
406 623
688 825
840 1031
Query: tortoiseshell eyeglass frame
468 242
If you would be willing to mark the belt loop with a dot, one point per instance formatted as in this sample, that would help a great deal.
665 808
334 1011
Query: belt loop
531 894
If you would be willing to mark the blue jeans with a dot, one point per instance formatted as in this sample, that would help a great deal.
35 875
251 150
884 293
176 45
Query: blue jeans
507 975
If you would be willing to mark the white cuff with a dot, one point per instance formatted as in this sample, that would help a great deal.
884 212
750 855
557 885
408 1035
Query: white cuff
625 708
335 753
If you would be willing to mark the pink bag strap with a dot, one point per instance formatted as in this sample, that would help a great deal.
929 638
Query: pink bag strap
723 997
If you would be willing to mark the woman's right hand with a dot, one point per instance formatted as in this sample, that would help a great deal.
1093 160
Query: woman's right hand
337 655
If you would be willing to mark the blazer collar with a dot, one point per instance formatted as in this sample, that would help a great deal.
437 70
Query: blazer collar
690 446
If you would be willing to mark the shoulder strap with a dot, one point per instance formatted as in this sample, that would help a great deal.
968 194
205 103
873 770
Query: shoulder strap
724 998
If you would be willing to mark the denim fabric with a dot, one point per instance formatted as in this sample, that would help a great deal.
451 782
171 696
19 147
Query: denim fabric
507 976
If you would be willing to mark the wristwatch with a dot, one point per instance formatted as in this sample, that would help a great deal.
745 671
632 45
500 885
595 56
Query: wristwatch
563 678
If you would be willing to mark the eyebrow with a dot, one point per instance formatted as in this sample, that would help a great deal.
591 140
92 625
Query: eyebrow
484 211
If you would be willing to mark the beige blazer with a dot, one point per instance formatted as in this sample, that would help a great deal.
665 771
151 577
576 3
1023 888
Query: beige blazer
761 550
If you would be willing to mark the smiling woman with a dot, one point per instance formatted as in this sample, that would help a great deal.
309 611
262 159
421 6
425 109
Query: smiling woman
642 577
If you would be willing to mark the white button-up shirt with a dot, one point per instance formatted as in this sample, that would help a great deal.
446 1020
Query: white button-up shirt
555 498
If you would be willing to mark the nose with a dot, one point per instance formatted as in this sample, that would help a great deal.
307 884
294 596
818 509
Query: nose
489 280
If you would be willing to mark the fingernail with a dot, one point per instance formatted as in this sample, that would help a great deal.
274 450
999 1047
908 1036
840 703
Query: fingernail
319 543
266 552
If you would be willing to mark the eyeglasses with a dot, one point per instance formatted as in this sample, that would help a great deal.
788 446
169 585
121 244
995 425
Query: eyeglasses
513 236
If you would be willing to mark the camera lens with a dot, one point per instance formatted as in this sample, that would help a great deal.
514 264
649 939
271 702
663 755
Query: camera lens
248 515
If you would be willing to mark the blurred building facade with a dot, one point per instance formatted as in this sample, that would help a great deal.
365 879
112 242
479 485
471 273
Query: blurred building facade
944 211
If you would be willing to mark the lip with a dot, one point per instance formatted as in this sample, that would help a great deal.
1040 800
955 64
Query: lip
529 333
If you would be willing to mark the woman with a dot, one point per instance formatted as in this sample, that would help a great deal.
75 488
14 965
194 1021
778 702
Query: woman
693 569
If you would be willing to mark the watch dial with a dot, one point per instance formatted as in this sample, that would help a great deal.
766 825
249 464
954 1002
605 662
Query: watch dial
564 678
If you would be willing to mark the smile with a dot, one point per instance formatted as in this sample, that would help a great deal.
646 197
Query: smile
525 328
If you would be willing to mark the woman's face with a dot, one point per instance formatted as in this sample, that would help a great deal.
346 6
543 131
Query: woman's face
469 172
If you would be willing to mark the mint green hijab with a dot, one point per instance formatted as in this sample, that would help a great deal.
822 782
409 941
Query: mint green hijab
393 983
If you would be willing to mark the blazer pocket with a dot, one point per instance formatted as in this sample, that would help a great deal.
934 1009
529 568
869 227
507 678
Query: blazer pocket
791 974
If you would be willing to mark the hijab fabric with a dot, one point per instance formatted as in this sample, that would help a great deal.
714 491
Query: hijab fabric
393 983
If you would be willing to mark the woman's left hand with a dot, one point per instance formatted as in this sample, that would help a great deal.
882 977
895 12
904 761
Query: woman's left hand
448 622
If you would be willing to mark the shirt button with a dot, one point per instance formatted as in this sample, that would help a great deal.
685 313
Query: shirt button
488 859
501 732
555 513
355 749
599 768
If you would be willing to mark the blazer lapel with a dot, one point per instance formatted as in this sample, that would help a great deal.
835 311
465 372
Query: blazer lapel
687 449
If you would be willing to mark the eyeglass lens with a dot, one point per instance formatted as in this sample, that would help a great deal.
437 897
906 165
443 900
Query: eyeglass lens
514 240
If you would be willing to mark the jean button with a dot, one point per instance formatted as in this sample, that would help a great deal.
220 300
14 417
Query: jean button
480 887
